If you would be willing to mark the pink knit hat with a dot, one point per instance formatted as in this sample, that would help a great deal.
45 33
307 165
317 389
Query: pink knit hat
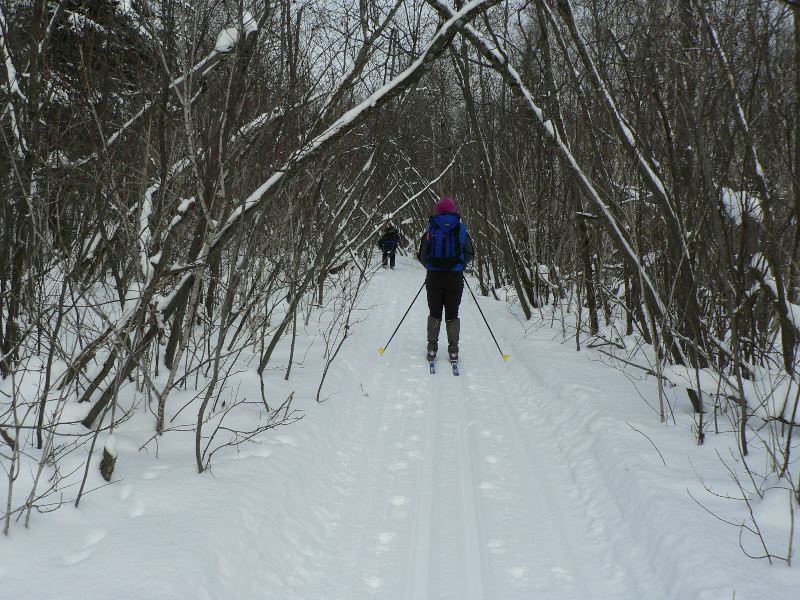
446 205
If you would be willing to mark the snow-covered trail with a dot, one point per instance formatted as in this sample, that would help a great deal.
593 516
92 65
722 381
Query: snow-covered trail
532 479
466 495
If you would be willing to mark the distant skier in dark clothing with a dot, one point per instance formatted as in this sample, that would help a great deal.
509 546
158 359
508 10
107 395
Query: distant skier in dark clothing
388 244
445 249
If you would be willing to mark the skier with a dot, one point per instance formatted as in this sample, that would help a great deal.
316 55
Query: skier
388 244
445 249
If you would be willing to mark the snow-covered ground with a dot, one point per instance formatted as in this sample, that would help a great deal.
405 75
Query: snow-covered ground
527 479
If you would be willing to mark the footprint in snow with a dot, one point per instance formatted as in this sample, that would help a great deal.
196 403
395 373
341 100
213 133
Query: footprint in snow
136 509
496 546
125 492
399 500
386 537
562 573
253 452
373 582
154 471
90 541
286 440
74 558
94 537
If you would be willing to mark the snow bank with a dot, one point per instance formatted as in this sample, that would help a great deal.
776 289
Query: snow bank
648 480
706 381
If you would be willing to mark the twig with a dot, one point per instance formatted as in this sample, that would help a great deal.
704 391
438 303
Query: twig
649 440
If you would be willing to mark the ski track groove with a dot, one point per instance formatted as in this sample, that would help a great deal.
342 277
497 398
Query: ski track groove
473 534
448 557
420 543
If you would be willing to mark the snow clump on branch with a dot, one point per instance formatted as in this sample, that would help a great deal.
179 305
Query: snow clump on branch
229 37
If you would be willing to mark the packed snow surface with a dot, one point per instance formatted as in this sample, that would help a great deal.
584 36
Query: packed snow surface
545 477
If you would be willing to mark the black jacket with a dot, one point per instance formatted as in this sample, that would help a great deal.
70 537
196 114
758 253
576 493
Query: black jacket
389 235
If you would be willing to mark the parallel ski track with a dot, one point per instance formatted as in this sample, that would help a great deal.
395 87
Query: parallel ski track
493 511
418 566
445 417
488 375
474 534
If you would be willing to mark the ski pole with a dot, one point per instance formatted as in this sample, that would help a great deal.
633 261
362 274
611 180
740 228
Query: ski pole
505 356
382 350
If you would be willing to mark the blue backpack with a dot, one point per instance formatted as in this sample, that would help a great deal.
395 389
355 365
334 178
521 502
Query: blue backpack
446 237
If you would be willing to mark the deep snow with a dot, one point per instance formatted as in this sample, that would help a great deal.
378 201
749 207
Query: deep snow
527 479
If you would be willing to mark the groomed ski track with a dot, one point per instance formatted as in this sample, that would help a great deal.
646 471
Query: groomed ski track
467 494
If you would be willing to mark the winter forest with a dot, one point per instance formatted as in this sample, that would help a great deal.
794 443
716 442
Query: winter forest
191 299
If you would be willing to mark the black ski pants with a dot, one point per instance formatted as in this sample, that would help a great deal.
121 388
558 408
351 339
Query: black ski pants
444 289
388 255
